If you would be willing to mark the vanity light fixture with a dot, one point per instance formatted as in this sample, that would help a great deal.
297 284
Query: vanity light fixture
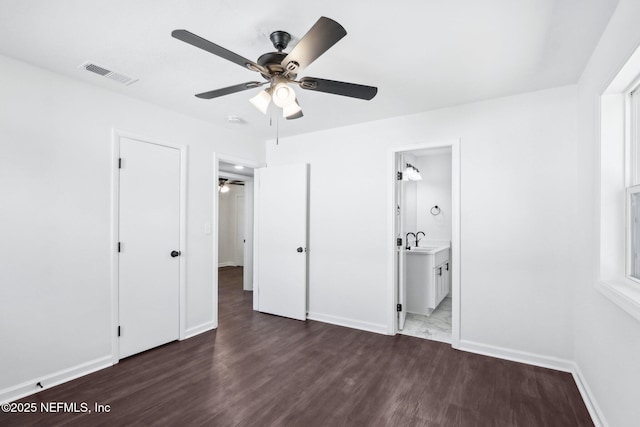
239 167
411 173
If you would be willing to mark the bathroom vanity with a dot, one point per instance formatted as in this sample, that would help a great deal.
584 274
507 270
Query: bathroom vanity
428 272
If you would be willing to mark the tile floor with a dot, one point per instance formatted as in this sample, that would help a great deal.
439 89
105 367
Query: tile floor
436 327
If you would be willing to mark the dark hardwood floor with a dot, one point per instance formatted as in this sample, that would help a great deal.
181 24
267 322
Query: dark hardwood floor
262 370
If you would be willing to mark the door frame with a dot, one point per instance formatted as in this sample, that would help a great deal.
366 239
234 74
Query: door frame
217 157
456 283
240 207
116 136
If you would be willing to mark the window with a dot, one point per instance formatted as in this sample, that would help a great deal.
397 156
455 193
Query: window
633 189
618 210
633 230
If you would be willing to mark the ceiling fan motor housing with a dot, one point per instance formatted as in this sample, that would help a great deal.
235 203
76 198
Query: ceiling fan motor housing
272 62
280 40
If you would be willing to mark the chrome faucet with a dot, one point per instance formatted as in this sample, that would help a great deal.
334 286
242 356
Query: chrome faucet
418 238
407 239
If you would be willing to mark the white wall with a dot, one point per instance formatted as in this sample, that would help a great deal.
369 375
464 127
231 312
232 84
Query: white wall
227 226
518 181
606 339
434 189
55 177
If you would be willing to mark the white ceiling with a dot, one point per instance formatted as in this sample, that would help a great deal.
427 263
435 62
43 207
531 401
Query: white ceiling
421 54
230 168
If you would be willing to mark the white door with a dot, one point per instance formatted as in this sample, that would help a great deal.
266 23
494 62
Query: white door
240 229
281 240
401 276
247 272
149 274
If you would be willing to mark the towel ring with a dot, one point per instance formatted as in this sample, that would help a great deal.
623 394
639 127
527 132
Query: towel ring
435 210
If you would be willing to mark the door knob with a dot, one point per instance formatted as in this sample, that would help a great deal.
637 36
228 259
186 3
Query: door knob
299 249
175 253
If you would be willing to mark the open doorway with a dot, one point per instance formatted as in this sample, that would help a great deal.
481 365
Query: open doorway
235 222
427 242
233 213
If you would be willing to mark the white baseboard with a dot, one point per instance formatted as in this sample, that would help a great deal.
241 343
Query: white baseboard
197 330
349 323
517 356
227 264
27 388
545 362
589 399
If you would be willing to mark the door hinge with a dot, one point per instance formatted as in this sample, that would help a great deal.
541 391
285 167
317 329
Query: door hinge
398 307
399 176
118 330
118 246
120 163
399 241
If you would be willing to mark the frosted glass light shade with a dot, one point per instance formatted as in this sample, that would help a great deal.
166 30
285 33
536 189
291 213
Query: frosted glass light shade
291 110
283 95
261 101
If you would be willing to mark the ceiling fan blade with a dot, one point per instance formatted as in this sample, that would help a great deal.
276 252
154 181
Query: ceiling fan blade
229 90
339 88
324 34
210 47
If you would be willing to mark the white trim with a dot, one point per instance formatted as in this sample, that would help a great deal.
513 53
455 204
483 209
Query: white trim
116 135
597 416
115 227
349 323
456 238
617 131
625 296
197 330
239 206
526 357
28 388
549 362
256 240
234 176
217 157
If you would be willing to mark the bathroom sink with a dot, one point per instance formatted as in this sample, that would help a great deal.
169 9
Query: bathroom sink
430 249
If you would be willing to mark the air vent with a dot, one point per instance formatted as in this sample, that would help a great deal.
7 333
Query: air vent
118 77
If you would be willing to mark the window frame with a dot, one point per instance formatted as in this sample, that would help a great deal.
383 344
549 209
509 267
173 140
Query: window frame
630 191
632 164
619 171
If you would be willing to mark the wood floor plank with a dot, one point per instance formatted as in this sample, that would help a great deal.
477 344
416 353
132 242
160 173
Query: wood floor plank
262 370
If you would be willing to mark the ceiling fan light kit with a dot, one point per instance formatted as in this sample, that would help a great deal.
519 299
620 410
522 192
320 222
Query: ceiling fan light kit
261 101
283 95
280 69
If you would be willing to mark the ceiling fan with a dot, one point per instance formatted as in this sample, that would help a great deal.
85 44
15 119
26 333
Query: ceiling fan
280 69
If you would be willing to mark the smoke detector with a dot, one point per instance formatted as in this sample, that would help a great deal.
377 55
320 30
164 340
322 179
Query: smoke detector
235 120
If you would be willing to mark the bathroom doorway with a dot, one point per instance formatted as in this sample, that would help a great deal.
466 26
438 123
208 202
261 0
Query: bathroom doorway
426 252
